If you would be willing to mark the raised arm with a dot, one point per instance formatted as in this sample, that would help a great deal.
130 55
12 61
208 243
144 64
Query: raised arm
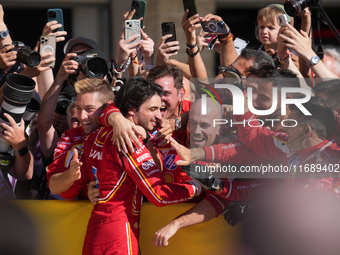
147 50
200 213
45 79
300 44
306 25
7 57
195 61
3 27
126 50
228 52
48 134
166 50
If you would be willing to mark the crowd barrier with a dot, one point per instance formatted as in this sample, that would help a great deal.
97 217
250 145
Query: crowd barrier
62 227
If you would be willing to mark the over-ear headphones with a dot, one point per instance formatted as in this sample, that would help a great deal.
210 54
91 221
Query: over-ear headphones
281 7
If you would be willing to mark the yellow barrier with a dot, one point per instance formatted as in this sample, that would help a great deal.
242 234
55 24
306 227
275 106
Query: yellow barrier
62 227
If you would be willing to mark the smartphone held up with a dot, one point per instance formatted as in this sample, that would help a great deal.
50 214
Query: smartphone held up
169 28
48 44
139 6
282 20
56 14
131 29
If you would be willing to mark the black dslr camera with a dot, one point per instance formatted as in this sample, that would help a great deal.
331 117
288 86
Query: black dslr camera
92 64
26 55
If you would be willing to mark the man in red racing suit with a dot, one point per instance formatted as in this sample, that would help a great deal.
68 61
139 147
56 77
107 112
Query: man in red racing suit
122 177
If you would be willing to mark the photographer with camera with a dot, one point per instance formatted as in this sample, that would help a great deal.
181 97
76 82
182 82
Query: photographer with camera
49 133
16 159
49 129
15 56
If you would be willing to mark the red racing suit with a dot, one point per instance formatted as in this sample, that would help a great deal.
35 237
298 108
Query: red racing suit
63 153
171 172
122 178
71 139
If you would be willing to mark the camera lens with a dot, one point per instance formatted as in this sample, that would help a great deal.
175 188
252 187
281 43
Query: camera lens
18 89
52 14
294 7
92 64
95 67
44 40
33 59
28 57
212 27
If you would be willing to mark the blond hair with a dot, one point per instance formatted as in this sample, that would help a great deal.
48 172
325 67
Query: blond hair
95 85
269 15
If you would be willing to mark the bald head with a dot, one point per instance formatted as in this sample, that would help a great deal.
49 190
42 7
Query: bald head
201 130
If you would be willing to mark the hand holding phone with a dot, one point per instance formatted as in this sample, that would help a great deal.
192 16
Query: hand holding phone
169 28
48 44
282 20
56 14
132 28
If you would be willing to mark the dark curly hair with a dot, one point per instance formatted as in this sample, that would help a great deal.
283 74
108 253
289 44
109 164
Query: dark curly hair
135 92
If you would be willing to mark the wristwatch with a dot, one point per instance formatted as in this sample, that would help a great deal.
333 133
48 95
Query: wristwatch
22 152
4 34
314 60
178 124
